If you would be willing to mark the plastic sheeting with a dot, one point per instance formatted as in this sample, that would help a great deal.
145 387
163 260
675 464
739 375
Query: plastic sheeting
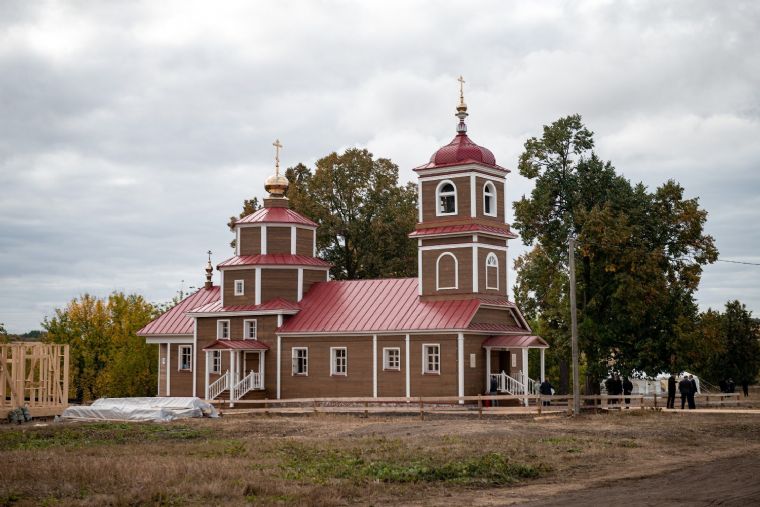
141 409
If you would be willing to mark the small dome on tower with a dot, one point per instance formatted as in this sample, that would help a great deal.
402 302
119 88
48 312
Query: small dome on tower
276 185
461 150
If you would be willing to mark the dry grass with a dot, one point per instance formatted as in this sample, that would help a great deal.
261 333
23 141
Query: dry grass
337 460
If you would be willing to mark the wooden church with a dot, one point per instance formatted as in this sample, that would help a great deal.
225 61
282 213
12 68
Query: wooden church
278 327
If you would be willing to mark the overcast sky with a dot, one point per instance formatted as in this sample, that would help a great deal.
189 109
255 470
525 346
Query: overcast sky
131 131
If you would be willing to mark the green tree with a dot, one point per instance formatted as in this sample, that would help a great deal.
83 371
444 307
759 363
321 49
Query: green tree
106 356
640 258
364 216
732 343
3 334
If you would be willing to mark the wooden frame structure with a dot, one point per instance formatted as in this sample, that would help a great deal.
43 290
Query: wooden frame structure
35 375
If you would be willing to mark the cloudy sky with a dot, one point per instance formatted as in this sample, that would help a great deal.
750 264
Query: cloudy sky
131 131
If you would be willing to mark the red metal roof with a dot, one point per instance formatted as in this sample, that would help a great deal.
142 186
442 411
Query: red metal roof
456 229
274 304
174 321
367 306
462 150
273 260
276 215
237 345
496 328
497 301
516 341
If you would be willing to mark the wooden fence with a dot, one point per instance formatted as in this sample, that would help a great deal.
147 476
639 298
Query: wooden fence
472 405
35 375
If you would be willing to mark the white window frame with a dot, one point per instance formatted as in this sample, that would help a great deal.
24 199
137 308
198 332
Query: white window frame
294 358
438 194
425 366
386 358
513 359
247 327
437 273
489 190
185 349
334 366
239 287
216 362
219 327
492 257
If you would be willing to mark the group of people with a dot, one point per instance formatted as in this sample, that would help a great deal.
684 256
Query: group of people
687 387
617 386
729 386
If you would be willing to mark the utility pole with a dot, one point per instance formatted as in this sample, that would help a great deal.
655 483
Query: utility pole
574 330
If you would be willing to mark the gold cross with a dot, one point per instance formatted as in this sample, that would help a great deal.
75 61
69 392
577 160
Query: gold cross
209 255
277 147
461 89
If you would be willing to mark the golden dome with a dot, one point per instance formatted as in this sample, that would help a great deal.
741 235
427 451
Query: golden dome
276 185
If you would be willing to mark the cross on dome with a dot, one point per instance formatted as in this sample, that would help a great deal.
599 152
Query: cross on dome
461 108
277 145
276 185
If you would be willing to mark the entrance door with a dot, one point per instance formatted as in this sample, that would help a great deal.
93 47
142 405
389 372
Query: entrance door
251 362
504 362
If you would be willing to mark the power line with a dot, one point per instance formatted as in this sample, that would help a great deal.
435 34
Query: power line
740 262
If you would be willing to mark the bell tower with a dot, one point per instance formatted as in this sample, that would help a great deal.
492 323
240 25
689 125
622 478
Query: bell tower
461 231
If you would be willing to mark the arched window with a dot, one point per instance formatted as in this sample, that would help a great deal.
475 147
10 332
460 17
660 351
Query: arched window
489 199
446 271
446 198
492 272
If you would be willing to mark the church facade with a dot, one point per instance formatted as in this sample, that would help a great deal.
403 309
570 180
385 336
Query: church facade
277 327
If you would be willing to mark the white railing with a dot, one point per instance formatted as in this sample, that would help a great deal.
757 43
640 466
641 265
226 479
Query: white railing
533 386
507 384
219 386
249 382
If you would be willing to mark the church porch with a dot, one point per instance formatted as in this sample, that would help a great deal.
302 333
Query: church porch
506 370
245 373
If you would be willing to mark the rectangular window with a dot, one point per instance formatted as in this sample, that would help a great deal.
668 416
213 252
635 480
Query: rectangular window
338 361
239 287
222 329
472 360
514 360
431 358
300 361
391 358
249 329
216 361
186 357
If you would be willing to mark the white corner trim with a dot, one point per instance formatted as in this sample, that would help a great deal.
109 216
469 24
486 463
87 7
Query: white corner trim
168 369
279 361
300 285
408 368
374 366
419 201
505 200
195 356
257 282
475 273
237 240
460 366
473 201
292 240
221 289
419 270
263 240
456 271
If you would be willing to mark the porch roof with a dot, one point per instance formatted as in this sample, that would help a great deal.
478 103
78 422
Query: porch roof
516 341
236 345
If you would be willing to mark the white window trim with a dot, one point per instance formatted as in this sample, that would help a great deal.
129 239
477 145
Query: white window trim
494 197
219 329
437 273
294 362
216 367
333 362
438 211
425 370
181 350
246 324
240 292
386 363
488 258
514 359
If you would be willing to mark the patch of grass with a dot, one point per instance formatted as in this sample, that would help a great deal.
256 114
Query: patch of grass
95 434
322 465
8 499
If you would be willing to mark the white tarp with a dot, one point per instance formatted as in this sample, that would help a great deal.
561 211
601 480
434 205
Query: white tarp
141 409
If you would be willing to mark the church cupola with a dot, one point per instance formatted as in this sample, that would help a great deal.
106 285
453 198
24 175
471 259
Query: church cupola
462 232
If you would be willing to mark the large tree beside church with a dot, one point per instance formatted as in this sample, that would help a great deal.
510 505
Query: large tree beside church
364 215
640 257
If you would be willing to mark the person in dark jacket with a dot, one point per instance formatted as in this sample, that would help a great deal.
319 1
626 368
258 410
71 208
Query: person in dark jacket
684 387
692 392
672 391
545 389
730 385
745 388
627 389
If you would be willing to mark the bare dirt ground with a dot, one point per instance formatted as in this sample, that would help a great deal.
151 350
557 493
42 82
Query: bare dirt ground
628 458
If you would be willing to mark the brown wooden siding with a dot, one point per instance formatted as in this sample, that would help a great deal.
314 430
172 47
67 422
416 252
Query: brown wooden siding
181 381
474 378
304 242
491 241
464 258
249 278
429 203
452 240
391 382
278 240
502 257
444 384
282 283
312 276
319 382
250 241
494 316
499 185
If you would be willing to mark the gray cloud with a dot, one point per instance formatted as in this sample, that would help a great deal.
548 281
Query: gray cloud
130 132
